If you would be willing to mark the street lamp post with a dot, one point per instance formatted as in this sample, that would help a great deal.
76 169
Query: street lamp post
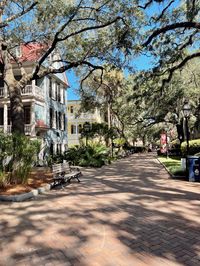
186 113
86 127
166 136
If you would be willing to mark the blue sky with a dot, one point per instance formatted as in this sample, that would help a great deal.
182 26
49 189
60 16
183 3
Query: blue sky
74 85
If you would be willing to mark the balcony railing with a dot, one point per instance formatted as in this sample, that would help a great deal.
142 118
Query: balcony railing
27 129
28 90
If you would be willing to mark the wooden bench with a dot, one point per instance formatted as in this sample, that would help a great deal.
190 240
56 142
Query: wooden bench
63 172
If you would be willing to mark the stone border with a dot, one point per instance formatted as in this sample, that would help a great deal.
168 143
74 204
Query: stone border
25 196
172 176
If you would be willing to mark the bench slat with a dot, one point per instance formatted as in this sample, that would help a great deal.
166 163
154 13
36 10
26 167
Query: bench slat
63 173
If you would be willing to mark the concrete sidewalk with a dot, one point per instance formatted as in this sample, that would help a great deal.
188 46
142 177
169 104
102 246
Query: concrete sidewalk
129 213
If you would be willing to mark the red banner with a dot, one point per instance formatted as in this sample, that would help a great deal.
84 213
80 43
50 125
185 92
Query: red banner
163 143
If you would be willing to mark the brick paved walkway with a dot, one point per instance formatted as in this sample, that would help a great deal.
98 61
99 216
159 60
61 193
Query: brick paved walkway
129 213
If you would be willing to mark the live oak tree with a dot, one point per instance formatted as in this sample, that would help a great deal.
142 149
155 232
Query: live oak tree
164 107
172 34
101 90
84 33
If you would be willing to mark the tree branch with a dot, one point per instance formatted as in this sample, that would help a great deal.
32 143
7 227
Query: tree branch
95 27
147 4
64 68
163 11
173 69
2 6
57 39
186 24
23 12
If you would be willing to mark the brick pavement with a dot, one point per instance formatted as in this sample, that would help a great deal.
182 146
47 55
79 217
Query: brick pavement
128 214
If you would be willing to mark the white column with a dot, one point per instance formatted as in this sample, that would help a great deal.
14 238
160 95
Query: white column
33 87
76 128
32 115
54 148
62 148
5 91
5 117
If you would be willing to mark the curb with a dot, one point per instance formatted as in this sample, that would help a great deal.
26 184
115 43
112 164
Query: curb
22 197
171 175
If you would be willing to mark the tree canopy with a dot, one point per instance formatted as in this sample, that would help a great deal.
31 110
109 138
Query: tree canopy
85 33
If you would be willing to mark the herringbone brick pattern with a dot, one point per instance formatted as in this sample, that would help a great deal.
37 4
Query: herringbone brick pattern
128 214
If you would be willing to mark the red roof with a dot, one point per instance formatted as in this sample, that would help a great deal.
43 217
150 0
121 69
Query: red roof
32 51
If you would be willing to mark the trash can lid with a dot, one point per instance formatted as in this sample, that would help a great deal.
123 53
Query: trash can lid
192 157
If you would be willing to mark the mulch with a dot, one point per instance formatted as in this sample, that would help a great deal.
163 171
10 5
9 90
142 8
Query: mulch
36 179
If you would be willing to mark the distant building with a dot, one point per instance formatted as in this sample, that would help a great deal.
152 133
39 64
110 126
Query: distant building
44 103
76 121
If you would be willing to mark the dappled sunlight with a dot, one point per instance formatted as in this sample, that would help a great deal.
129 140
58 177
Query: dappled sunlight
119 214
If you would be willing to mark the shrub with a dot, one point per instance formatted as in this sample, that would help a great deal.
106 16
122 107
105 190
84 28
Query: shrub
194 147
24 156
6 147
94 155
4 180
57 158
175 144
17 155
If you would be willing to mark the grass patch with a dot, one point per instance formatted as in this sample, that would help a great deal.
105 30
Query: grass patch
173 165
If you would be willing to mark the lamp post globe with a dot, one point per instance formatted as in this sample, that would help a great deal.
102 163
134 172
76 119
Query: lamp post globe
186 109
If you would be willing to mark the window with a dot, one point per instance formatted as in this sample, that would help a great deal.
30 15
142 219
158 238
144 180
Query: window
79 128
59 121
50 88
27 115
1 116
59 148
73 129
63 95
56 119
50 117
71 109
58 93
64 122
9 117
51 149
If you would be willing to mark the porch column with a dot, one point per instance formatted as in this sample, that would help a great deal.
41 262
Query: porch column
5 117
5 91
33 87
54 148
32 115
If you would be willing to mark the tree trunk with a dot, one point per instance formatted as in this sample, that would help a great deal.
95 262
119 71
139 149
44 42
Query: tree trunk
14 89
16 110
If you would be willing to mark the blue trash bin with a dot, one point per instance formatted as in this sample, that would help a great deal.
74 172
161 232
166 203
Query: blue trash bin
193 163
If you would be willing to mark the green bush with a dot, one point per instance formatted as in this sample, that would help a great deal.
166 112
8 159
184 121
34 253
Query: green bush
6 149
194 147
18 154
94 155
57 158
175 143
24 156
4 180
